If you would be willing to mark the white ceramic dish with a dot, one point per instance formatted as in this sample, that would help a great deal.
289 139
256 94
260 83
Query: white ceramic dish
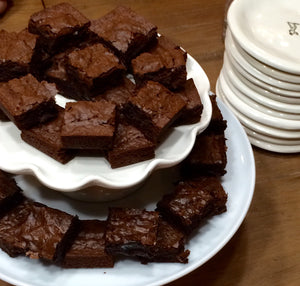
18 157
261 98
237 53
252 101
212 236
268 31
255 114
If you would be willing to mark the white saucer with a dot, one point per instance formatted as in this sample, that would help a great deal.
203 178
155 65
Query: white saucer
268 31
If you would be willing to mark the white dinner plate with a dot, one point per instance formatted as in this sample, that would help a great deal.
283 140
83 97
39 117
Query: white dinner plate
19 157
239 183
269 31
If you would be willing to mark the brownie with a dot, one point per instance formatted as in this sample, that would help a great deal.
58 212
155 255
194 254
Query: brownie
37 231
94 69
89 125
193 110
16 52
165 63
59 27
130 146
131 232
47 138
10 193
28 102
208 156
153 110
192 201
169 246
125 32
88 248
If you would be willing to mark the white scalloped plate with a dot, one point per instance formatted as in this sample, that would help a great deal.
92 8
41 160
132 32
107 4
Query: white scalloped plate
18 157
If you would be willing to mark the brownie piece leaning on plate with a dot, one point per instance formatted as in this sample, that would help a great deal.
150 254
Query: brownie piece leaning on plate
153 110
125 32
37 231
16 52
88 248
28 102
192 201
47 138
164 63
131 232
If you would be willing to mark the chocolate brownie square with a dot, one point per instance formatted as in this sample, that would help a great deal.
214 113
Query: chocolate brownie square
16 52
59 27
207 158
192 201
10 193
28 102
88 248
37 231
130 146
94 69
164 63
89 125
193 110
47 138
153 110
125 32
131 232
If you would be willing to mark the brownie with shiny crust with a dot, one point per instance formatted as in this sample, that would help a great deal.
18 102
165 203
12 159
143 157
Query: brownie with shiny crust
193 110
130 146
89 125
58 27
94 69
153 110
164 63
192 201
47 138
16 52
124 31
37 231
207 158
131 232
10 193
88 248
28 102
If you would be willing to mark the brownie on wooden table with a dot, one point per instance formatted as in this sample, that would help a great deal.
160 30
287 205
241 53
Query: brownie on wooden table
94 69
59 27
153 110
47 138
88 248
192 201
37 231
16 52
89 125
165 63
131 232
28 102
130 146
125 32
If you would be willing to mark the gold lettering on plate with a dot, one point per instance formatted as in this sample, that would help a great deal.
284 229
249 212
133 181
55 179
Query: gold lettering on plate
293 28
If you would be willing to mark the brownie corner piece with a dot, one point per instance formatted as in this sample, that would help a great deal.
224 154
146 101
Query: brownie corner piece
131 232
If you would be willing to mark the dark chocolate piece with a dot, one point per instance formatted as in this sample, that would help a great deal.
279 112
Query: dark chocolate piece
28 102
89 125
124 31
88 248
164 63
47 138
153 110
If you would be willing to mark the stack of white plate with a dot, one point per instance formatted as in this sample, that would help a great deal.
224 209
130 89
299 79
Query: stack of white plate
260 77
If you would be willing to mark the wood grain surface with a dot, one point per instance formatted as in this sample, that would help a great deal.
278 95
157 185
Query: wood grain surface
266 249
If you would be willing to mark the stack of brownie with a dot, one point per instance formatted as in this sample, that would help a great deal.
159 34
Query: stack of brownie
91 62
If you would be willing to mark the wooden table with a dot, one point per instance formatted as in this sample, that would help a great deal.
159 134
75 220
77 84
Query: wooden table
266 248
